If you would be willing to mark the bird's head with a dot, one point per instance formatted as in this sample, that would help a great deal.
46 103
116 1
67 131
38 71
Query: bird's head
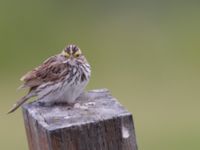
72 54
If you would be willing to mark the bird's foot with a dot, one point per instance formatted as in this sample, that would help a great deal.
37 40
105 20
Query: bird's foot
42 104
64 104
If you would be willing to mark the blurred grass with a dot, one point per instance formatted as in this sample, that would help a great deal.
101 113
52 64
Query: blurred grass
145 52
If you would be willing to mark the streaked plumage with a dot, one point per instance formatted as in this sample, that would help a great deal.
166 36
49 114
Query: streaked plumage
60 79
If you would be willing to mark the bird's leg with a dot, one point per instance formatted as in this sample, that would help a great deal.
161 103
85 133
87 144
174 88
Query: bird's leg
63 103
40 103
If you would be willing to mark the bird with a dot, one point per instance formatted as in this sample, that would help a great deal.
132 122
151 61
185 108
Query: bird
59 79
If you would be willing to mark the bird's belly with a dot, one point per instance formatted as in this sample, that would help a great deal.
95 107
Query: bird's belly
66 93
71 93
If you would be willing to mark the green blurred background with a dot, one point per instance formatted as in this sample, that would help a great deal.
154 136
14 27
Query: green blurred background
146 52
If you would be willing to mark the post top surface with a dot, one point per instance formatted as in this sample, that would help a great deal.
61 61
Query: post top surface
91 106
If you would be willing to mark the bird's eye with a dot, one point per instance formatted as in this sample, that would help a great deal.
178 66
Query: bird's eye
77 55
66 55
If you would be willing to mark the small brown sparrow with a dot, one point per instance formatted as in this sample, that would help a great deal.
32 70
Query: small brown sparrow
60 79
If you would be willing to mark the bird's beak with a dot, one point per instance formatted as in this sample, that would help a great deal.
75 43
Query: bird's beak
70 61
71 58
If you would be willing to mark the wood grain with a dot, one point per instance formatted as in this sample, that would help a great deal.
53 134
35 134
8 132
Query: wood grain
96 122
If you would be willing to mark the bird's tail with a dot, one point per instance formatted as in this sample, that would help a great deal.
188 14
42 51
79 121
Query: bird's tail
20 102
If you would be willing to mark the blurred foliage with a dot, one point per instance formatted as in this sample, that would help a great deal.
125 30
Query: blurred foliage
146 52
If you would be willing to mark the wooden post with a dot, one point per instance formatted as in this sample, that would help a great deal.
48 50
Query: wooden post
96 122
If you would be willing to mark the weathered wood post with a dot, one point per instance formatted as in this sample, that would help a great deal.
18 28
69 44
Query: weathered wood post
96 122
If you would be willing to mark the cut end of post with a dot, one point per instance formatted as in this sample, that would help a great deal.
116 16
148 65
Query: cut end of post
97 120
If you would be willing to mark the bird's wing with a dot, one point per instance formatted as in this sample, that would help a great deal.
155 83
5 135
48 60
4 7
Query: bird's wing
50 70
20 102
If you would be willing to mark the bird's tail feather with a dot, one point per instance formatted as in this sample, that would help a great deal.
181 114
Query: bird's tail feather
20 102
21 87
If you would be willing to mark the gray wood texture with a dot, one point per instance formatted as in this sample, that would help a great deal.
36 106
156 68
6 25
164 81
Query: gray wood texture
96 122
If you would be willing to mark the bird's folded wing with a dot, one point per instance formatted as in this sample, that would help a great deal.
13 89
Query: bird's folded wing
50 70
